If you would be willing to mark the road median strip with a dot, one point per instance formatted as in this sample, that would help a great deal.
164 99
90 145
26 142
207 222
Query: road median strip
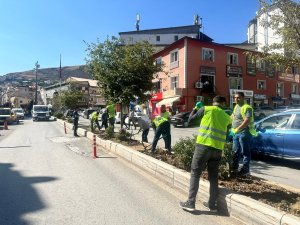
238 206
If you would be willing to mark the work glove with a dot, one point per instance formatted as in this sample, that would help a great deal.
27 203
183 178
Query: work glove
233 131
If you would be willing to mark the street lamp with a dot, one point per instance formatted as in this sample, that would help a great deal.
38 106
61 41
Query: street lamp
36 68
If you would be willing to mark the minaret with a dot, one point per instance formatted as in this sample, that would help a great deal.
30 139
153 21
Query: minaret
137 24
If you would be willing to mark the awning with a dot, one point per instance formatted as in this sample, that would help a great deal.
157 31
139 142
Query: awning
168 101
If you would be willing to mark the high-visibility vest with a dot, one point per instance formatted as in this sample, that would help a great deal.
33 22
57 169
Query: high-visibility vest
94 116
111 110
244 108
160 119
213 127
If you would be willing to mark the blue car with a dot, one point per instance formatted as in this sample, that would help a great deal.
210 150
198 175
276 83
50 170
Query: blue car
279 135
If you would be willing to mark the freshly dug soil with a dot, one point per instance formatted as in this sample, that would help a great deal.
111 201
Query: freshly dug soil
253 187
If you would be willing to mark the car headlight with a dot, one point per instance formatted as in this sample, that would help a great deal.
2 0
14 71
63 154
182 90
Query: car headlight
34 114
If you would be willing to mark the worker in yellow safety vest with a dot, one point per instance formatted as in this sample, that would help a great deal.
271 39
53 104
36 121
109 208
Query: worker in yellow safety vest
162 127
94 120
111 110
208 151
242 132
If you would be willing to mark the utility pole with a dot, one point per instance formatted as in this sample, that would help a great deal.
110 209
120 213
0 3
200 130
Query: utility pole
36 86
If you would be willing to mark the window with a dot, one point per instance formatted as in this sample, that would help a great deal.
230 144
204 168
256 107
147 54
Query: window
174 59
295 70
295 89
296 122
235 83
260 65
158 61
174 56
174 82
208 54
261 85
176 38
232 58
158 38
280 89
275 122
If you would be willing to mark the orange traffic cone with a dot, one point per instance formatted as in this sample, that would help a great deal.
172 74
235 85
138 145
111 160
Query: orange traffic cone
5 125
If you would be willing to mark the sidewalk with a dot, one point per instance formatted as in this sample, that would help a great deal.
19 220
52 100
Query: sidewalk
238 206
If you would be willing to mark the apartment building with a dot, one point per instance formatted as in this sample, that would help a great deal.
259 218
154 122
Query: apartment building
199 70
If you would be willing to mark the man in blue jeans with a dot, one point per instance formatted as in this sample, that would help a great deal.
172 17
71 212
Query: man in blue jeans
242 131
208 152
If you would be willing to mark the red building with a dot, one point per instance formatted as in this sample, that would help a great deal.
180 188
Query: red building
197 71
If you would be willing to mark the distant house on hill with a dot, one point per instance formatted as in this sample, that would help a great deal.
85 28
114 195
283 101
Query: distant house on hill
88 87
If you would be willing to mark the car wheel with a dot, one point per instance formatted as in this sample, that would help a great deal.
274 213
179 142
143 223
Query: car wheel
185 124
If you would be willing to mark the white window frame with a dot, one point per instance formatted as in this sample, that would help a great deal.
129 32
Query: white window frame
157 38
295 69
232 58
158 61
261 85
238 86
174 58
174 82
208 54
281 84
295 89
261 65
176 37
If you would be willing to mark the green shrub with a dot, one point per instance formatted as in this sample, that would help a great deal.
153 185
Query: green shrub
123 135
224 169
184 150
108 133
58 115
70 120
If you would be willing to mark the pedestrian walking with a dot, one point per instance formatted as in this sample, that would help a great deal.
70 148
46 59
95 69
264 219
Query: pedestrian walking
94 120
75 121
145 127
242 132
208 151
162 127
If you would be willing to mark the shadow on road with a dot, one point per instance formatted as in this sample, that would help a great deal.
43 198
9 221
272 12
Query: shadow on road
17 195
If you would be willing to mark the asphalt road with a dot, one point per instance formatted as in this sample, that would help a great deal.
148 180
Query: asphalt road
281 172
45 181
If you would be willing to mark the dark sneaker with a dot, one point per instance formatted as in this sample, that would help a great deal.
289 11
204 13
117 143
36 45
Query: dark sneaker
189 206
211 208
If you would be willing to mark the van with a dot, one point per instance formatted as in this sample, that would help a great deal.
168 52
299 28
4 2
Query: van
40 112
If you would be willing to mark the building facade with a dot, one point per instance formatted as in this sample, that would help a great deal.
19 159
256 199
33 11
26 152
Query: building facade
198 70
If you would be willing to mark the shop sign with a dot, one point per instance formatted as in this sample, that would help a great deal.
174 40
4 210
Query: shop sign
289 77
247 93
157 96
295 96
207 70
260 96
234 71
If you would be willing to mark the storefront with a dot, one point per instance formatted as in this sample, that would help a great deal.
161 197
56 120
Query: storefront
259 100
154 109
295 99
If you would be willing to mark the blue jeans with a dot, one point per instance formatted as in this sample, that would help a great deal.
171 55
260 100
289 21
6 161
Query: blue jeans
241 148
163 129
145 135
210 157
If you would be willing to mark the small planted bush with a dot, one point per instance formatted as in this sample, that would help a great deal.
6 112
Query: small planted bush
123 135
184 150
58 115
109 133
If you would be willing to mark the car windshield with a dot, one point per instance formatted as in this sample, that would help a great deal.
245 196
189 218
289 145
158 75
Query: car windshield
18 111
40 108
4 112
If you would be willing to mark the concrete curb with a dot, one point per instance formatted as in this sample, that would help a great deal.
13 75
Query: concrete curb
241 207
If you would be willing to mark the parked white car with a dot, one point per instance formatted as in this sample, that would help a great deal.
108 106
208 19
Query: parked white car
19 113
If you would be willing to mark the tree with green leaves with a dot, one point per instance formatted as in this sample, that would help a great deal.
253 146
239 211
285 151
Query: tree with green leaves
67 99
284 19
124 72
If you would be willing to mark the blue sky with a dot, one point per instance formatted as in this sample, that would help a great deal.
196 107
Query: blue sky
32 30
